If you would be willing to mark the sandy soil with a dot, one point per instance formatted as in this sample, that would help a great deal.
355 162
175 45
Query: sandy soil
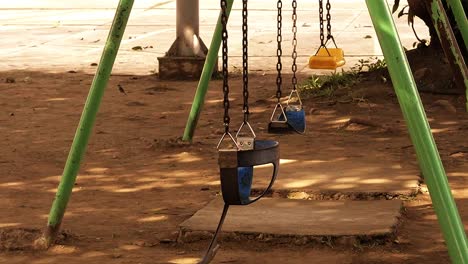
138 181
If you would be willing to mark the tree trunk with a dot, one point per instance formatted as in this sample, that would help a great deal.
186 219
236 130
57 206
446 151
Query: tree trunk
418 8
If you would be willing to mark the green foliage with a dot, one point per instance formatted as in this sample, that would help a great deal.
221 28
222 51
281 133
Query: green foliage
368 65
326 85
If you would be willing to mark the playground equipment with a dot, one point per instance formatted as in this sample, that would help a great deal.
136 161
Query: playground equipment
86 124
236 163
326 58
291 117
420 133
405 87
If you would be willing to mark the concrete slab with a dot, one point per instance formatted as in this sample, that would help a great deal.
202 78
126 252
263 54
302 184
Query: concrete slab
286 217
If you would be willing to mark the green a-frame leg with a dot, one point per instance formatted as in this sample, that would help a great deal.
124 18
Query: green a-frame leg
420 133
86 124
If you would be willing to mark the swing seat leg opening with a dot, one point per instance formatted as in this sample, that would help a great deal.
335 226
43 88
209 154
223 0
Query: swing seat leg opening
245 177
330 60
279 127
278 124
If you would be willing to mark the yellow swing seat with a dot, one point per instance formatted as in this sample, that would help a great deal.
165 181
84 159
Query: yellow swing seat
330 60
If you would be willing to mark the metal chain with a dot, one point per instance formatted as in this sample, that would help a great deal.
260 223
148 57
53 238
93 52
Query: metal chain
322 35
279 52
329 34
294 44
224 37
245 61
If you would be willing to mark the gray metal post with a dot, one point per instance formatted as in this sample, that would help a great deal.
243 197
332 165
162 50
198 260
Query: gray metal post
186 56
188 29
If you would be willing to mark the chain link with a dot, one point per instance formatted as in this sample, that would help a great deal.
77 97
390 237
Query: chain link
294 44
279 52
245 60
224 37
329 34
322 35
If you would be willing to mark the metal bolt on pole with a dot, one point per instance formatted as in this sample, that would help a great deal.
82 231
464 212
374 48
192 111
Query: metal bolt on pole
420 133
86 124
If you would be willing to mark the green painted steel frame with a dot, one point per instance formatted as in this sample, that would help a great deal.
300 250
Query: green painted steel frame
86 124
420 133
460 18
449 44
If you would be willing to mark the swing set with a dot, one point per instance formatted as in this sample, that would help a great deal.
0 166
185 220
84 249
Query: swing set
242 152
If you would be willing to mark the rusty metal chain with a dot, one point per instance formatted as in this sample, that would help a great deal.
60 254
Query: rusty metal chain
279 52
224 37
322 35
245 60
294 44
329 34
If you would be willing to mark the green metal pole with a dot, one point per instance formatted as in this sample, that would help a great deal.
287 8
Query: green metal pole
449 44
418 126
460 18
205 77
86 124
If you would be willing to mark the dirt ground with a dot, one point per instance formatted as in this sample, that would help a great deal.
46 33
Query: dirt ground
138 181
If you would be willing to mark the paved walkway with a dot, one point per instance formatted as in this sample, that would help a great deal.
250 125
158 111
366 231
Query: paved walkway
292 218
56 36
